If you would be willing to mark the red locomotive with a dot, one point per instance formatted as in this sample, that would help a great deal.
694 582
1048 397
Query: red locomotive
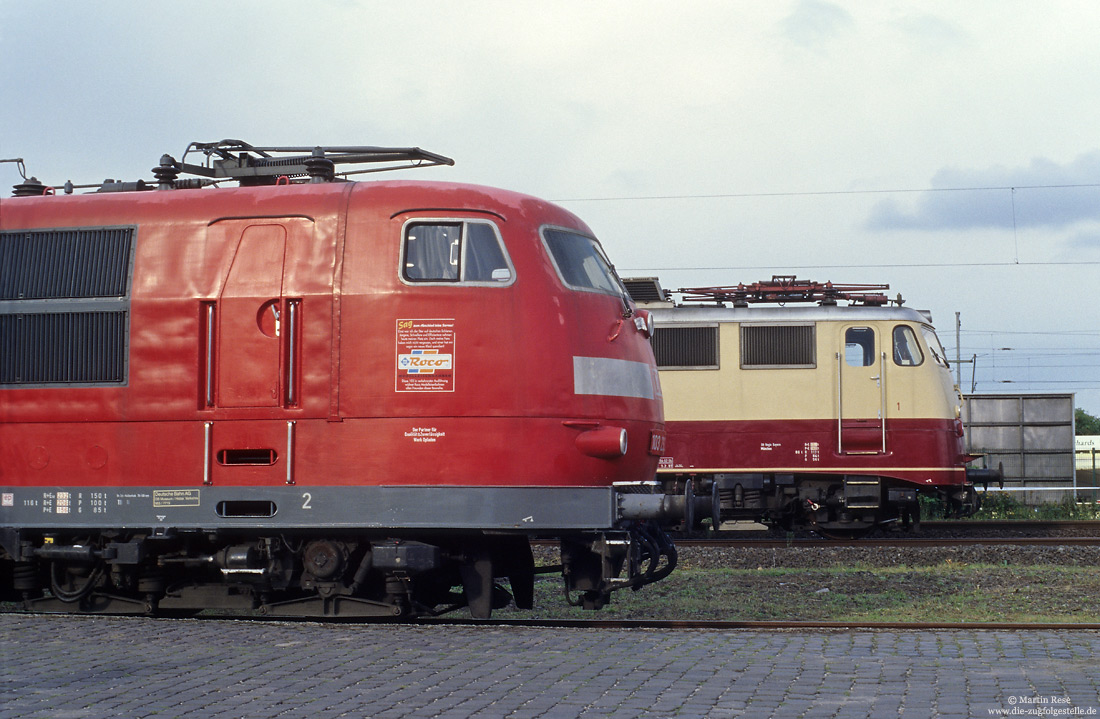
803 412
316 396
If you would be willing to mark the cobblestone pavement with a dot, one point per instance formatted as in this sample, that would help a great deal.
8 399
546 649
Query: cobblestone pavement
65 667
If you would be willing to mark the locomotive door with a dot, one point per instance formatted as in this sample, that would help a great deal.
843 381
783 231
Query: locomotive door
252 337
251 320
861 388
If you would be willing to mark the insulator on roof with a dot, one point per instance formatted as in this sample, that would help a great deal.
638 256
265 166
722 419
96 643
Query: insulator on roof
30 188
166 172
320 168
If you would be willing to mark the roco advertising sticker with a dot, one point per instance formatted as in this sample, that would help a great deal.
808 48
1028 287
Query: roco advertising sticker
425 355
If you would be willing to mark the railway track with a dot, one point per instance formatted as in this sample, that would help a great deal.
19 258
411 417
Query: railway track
672 624
964 525
1013 525
658 624
1010 523
931 534
935 533
908 542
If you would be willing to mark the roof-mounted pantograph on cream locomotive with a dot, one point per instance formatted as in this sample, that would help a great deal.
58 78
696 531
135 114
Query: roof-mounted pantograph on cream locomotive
799 411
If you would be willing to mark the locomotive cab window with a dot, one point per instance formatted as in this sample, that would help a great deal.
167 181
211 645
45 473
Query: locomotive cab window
907 352
467 252
859 346
581 263
934 346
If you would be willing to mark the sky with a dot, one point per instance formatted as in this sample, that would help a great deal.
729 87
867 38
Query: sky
948 149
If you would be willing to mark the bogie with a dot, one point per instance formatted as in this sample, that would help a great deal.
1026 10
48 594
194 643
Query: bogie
331 576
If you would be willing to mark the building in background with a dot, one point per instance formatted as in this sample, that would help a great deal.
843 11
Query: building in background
1088 466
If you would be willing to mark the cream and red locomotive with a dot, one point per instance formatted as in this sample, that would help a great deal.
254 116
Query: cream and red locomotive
807 405
316 396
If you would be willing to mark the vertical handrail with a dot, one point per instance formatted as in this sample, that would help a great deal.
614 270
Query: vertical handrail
839 406
292 352
210 317
290 451
882 399
208 429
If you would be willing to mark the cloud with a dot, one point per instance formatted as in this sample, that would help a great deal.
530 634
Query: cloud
1040 194
1087 239
813 22
930 31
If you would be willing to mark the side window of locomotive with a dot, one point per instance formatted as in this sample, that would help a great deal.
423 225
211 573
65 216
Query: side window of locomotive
934 346
859 346
432 252
454 252
907 352
581 263
485 261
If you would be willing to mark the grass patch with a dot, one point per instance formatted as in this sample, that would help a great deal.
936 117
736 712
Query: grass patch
954 593
999 505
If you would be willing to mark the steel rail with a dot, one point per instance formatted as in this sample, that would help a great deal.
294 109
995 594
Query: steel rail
707 625
626 624
970 524
891 543
763 625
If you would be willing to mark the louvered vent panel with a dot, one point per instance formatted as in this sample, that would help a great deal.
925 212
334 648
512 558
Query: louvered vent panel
62 347
644 289
65 264
777 346
695 347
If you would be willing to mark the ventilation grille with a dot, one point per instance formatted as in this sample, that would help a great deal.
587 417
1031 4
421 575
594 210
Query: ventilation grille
65 306
62 347
65 264
766 346
644 289
686 347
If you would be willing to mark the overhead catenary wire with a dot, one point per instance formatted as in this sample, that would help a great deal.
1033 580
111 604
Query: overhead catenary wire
825 193
895 266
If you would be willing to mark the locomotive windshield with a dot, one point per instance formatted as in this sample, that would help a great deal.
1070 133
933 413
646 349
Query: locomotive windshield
582 263
907 352
934 345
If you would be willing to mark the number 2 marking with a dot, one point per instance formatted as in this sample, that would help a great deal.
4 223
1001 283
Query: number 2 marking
307 497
